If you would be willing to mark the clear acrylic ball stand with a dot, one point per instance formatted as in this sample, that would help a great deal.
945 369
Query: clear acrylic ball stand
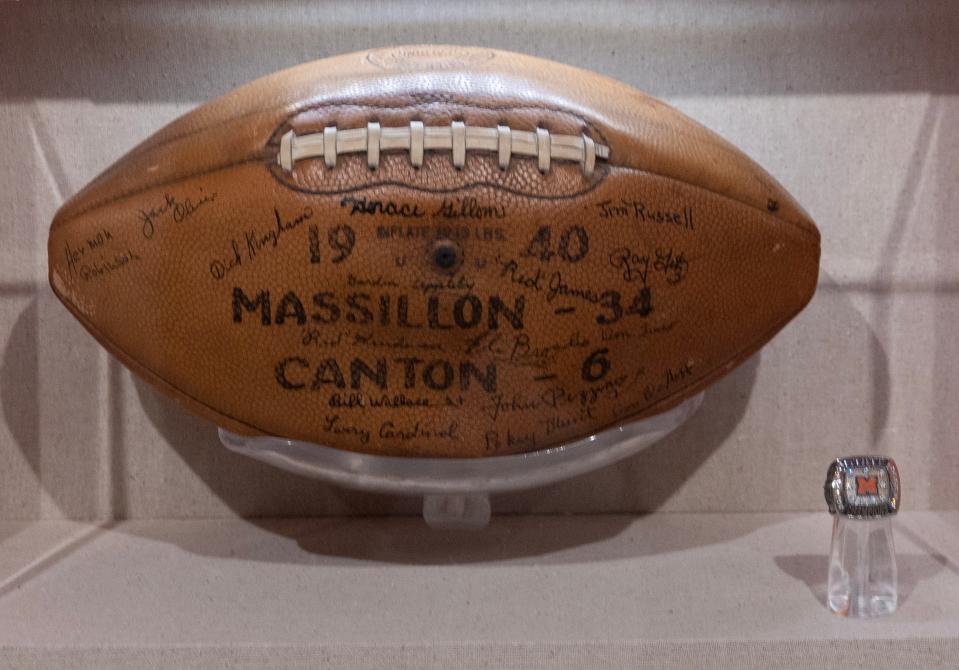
456 490
862 568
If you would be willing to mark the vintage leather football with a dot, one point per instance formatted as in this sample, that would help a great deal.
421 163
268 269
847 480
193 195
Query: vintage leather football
433 251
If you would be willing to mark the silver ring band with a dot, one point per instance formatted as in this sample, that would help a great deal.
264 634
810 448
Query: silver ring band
863 487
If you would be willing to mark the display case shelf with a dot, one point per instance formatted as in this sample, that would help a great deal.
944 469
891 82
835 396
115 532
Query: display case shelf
744 590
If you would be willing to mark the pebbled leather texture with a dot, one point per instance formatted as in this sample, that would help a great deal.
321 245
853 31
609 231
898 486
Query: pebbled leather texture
432 311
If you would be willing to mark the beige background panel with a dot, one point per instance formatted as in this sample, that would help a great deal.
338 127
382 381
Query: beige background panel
854 107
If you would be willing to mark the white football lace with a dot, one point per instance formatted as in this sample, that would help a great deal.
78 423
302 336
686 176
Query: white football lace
456 137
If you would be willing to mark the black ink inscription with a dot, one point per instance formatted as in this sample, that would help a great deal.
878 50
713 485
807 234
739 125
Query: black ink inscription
558 286
103 267
457 283
315 257
573 245
555 424
509 268
500 404
382 207
378 281
636 209
540 247
559 397
389 430
178 209
357 400
75 255
254 242
341 239
438 311
296 373
92 259
573 252
679 374
656 329
457 233
469 208
611 335
670 379
494 442
461 233
647 329
405 232
323 339
258 241
334 425
555 285
633 266
221 267
518 349
596 365
613 309
99 240
314 337
673 266
563 407
397 343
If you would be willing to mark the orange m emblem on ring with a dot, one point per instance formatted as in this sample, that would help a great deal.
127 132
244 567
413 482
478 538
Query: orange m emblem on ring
866 486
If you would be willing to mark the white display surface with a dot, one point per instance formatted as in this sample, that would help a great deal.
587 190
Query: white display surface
664 590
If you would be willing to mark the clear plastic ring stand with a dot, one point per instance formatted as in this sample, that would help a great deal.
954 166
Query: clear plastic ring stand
456 490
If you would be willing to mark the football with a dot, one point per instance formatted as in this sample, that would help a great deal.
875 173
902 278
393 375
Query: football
433 251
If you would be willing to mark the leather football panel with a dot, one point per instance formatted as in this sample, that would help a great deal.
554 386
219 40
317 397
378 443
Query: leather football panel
329 318
642 132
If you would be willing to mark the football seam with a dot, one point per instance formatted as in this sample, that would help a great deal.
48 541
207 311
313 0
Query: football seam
141 369
717 372
274 138
313 105
601 174
273 141
716 142
811 232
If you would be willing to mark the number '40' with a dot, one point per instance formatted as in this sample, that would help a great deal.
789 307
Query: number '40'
573 244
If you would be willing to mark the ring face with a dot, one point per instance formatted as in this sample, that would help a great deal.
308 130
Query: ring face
863 487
